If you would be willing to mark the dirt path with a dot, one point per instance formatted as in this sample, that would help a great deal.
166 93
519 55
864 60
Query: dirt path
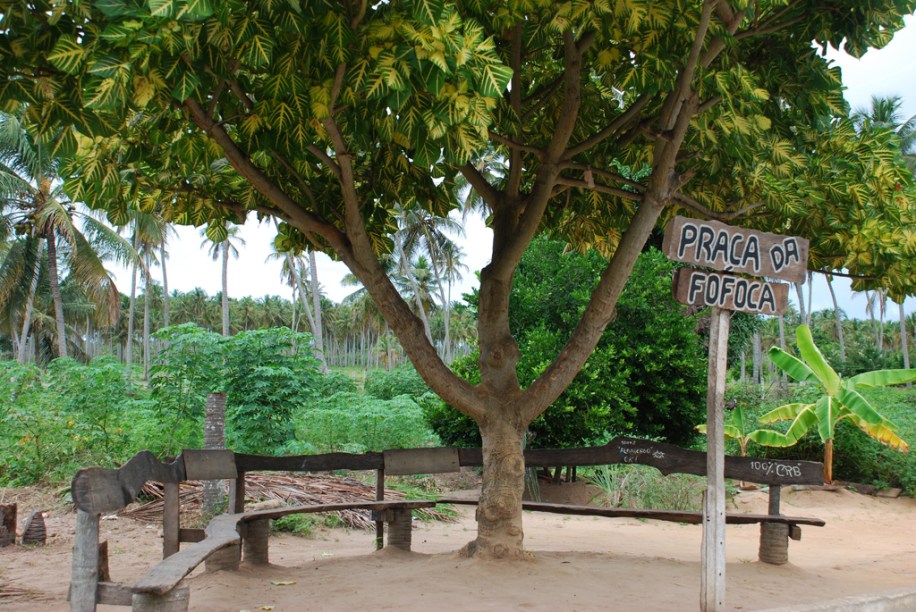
577 563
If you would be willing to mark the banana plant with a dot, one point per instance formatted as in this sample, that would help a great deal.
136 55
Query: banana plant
736 427
841 400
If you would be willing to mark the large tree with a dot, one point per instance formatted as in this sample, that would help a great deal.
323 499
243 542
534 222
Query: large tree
610 116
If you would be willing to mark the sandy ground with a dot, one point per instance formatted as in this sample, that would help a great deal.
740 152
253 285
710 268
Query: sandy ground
577 563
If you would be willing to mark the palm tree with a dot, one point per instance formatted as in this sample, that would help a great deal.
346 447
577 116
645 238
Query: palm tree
148 231
33 202
222 249
423 232
885 114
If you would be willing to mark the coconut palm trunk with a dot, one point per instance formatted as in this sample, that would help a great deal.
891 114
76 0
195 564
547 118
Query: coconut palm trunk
165 286
54 279
839 319
22 353
317 329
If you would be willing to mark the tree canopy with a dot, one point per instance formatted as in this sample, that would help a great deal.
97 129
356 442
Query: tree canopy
610 116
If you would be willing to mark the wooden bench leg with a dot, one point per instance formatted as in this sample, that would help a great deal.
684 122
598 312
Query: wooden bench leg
774 543
175 600
226 559
255 542
399 527
84 578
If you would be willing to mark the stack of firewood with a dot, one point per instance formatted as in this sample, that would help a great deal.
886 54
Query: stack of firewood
292 489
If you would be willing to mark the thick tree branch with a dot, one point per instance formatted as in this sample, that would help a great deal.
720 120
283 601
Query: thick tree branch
581 184
263 183
479 184
692 204
548 387
515 100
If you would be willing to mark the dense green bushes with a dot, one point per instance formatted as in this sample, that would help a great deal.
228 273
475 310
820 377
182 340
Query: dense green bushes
647 376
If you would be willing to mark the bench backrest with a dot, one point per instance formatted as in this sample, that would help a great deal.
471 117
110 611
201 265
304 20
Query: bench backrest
100 490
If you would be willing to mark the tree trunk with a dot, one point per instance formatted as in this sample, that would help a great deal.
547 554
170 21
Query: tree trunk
214 438
828 462
758 361
904 346
55 295
225 247
802 318
317 330
165 286
147 282
839 320
22 354
421 312
131 309
783 377
499 516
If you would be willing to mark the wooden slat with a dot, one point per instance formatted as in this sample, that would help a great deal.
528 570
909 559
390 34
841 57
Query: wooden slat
400 462
112 594
309 463
209 464
221 533
191 535
668 459
100 490
276 513
675 516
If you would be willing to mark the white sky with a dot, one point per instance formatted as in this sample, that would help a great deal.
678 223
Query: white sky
884 72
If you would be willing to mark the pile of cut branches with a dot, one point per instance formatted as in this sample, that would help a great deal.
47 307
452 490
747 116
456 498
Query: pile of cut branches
291 489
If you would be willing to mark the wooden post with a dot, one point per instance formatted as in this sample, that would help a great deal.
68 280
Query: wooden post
712 581
170 520
214 438
237 494
399 527
85 569
379 496
774 537
255 543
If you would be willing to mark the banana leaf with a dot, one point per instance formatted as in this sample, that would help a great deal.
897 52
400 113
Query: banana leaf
784 413
882 432
860 407
791 365
883 378
805 420
815 360
828 412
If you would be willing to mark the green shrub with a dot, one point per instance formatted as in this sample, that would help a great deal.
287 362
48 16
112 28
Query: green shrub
350 422
640 486
403 380
333 382
647 376
269 375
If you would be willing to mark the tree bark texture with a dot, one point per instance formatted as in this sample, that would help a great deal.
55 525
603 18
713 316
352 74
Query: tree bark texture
214 437
499 513
29 306
54 279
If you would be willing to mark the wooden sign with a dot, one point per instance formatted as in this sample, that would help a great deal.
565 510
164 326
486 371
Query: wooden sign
730 292
715 245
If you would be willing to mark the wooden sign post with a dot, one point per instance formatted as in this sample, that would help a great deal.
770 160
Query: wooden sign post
729 249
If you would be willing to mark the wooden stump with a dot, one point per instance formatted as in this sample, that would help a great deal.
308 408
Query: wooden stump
7 524
226 559
175 600
255 543
399 528
774 543
34 532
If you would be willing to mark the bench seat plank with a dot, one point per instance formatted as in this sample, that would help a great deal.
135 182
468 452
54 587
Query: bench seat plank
275 513
222 532
675 516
